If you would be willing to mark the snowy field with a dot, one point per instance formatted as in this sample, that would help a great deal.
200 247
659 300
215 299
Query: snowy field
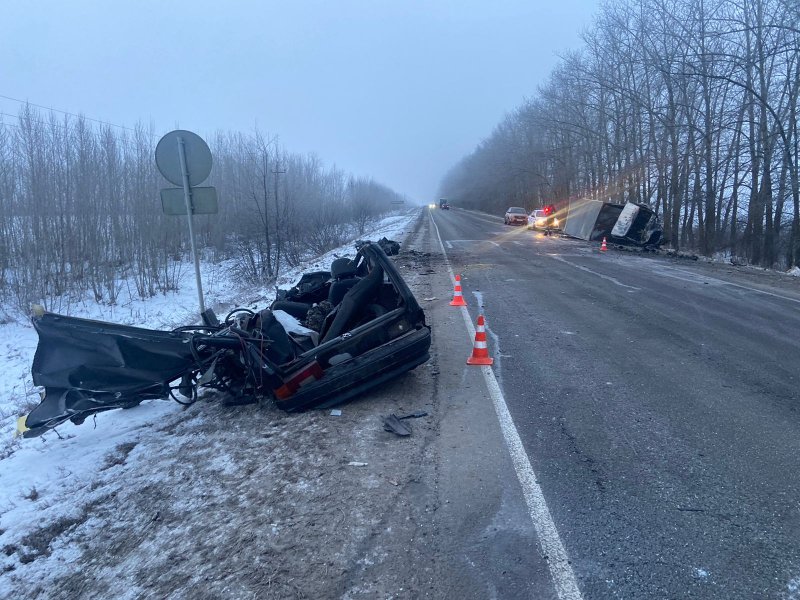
44 480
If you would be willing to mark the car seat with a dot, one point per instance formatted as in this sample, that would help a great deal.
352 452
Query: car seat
312 288
343 272
354 303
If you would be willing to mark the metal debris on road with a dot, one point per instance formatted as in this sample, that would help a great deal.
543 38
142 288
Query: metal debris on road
393 425
414 415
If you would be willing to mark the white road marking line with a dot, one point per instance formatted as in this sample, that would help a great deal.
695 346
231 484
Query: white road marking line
560 568
449 245
518 243
606 277
495 243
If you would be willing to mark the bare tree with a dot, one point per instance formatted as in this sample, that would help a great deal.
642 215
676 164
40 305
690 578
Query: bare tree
80 211
687 105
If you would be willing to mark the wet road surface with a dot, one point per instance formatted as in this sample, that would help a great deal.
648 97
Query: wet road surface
658 402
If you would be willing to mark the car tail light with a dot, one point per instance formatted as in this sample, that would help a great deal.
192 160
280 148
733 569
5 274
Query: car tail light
304 376
549 210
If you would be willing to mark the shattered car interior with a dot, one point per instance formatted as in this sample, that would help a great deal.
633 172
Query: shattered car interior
332 337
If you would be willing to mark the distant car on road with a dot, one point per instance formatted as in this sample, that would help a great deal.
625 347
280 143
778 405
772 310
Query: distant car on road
544 219
537 220
515 216
444 205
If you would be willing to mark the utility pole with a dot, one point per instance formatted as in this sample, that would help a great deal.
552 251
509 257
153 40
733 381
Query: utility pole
277 171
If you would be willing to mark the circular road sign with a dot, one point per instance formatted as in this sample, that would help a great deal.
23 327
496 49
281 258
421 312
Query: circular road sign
198 157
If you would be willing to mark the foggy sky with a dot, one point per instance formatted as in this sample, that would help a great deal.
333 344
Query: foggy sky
394 90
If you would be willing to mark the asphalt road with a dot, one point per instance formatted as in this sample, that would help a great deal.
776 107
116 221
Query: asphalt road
657 400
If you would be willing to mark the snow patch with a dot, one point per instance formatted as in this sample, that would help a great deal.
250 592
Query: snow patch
794 589
290 324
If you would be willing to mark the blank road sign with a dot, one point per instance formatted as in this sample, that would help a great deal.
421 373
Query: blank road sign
198 157
204 201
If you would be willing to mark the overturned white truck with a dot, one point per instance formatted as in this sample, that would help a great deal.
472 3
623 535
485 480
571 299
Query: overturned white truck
627 224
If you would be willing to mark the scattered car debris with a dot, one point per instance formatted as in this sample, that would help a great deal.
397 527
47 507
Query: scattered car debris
372 331
357 464
336 412
390 247
415 415
683 255
392 424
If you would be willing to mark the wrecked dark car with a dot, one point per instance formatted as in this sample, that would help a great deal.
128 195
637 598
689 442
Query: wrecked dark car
367 329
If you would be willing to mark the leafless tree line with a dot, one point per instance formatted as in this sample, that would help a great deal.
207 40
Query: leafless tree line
80 209
690 106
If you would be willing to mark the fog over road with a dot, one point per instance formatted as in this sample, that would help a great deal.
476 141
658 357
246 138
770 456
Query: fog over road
657 400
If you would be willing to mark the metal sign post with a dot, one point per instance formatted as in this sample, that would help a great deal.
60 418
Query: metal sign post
192 167
187 195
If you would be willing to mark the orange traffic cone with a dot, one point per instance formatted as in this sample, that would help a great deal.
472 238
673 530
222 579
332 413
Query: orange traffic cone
603 246
458 299
480 353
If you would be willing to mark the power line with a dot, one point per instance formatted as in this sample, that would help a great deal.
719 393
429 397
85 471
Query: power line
64 112
19 119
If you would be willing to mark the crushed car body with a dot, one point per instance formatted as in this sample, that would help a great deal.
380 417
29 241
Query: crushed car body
367 328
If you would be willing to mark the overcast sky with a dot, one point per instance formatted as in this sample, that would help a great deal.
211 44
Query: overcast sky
395 90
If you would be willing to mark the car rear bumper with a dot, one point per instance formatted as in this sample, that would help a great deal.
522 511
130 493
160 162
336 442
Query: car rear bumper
353 377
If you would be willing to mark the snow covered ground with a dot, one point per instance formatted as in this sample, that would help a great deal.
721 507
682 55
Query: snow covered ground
49 480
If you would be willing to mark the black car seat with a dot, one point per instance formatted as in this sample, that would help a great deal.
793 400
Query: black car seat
312 288
354 303
343 273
